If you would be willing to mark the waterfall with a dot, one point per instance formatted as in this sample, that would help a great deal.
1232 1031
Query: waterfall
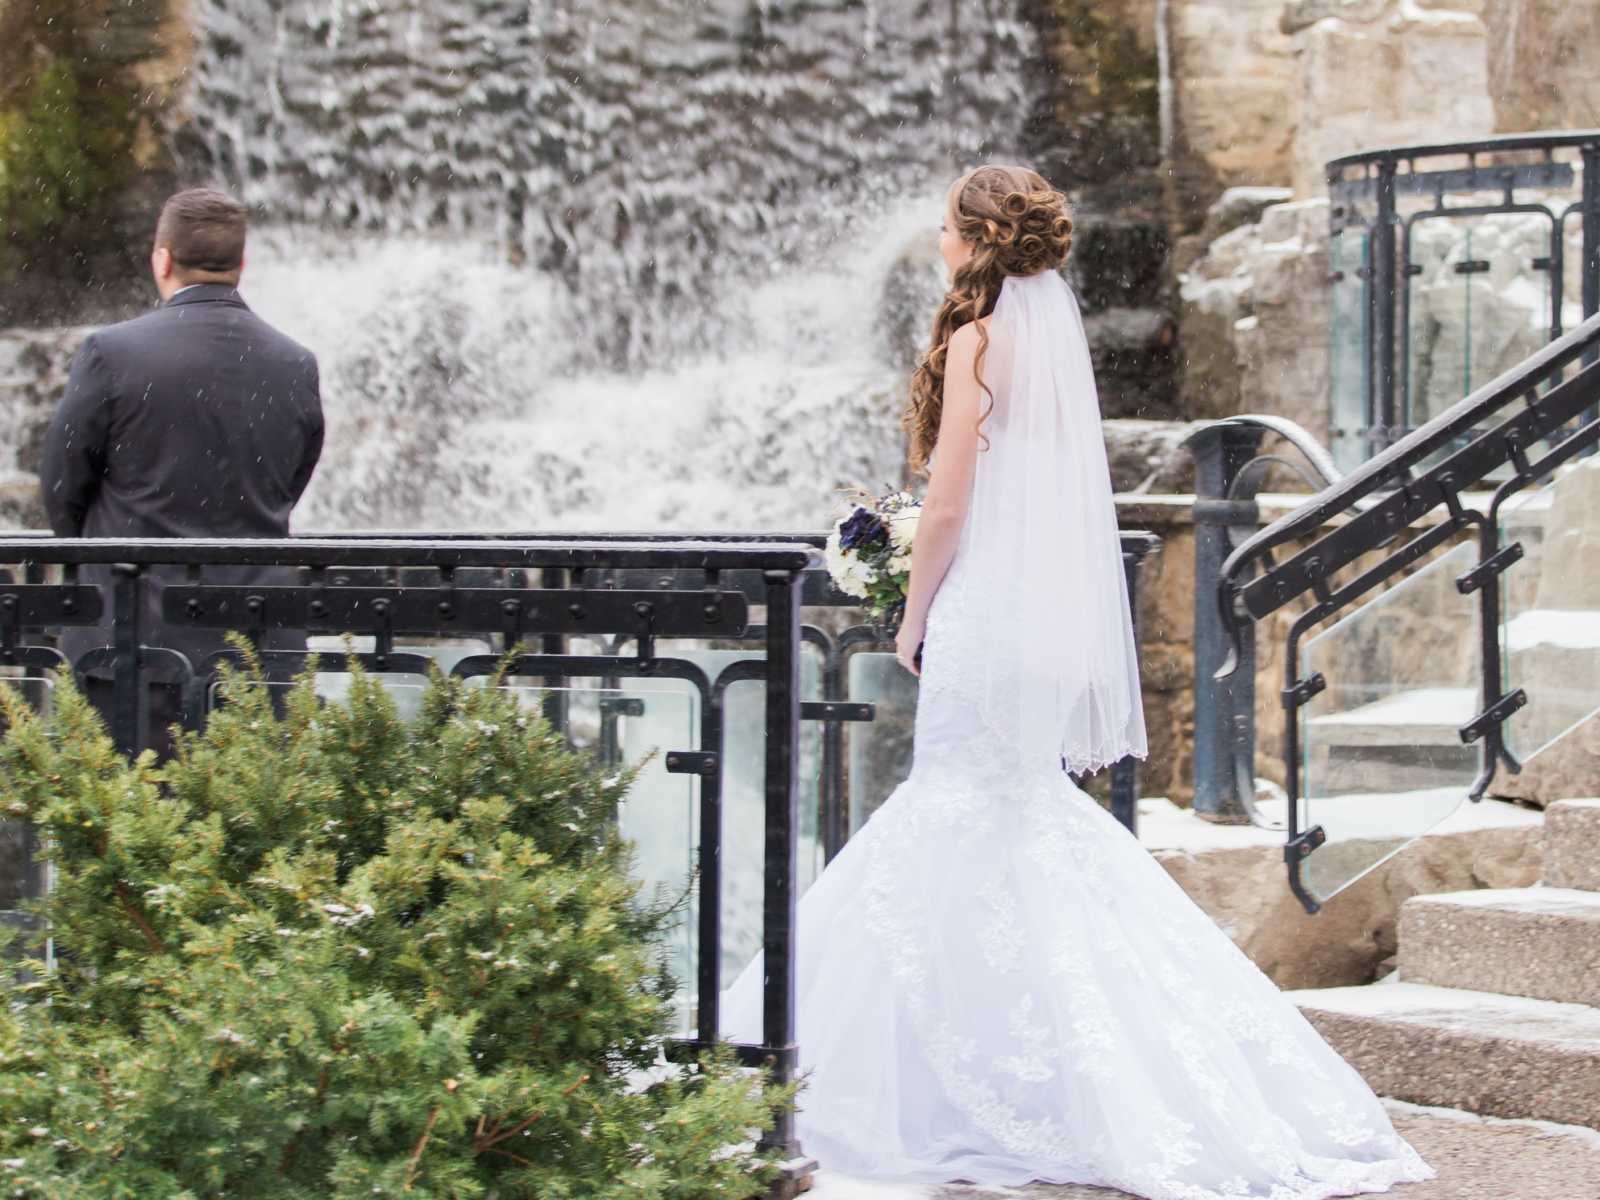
600 263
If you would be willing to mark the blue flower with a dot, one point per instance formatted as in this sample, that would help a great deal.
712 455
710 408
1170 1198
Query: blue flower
863 530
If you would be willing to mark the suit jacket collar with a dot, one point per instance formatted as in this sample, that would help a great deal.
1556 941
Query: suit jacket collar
208 293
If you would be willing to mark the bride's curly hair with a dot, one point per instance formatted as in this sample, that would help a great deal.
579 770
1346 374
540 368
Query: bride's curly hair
1017 224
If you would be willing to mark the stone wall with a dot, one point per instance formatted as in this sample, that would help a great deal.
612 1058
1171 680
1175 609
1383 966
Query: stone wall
1541 63
1373 73
33 371
1234 81
90 91
1266 91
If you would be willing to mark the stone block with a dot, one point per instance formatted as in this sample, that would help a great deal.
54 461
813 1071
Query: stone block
1570 767
1502 1056
1302 14
1572 845
1543 942
1242 888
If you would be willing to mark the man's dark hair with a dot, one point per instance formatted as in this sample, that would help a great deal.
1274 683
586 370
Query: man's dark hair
205 230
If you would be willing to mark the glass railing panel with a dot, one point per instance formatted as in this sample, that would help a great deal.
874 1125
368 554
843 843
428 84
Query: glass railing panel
1349 346
629 725
1382 759
22 871
1550 639
880 753
1480 303
744 815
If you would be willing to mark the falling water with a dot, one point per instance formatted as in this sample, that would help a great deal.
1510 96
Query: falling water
595 263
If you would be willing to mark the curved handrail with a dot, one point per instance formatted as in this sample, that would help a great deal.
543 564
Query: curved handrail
1554 140
1389 469
1295 434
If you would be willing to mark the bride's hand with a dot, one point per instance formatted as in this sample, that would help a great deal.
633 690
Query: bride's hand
908 642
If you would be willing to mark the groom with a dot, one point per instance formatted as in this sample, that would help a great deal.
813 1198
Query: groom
196 420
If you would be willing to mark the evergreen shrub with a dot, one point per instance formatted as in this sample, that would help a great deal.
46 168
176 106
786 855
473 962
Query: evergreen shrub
329 953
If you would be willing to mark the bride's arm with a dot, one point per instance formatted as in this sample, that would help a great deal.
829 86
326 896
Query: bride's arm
944 510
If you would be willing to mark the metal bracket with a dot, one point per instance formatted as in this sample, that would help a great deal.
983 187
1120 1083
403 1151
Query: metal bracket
1303 690
1301 847
1295 852
691 762
836 710
621 706
1495 714
1496 564
1472 266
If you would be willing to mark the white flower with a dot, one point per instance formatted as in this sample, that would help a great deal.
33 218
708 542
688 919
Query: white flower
903 528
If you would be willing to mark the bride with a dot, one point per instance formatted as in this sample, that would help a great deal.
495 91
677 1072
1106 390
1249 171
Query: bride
996 983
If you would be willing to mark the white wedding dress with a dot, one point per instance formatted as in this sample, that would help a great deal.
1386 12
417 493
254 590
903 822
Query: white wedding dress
996 983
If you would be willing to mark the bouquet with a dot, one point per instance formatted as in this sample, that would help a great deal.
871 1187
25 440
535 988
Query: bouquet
869 552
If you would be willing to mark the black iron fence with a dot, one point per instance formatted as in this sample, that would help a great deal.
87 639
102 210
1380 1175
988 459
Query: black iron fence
1453 476
1449 263
613 612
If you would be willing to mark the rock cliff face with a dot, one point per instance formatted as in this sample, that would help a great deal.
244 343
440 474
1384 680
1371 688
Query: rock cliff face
33 371
1267 91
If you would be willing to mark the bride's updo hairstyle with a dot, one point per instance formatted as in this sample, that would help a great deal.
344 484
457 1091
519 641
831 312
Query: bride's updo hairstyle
1017 224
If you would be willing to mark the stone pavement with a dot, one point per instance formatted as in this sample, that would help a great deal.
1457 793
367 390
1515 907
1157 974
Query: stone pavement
1476 1158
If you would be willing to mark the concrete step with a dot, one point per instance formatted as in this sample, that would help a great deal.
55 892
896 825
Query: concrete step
1419 717
1542 942
1503 1056
1572 845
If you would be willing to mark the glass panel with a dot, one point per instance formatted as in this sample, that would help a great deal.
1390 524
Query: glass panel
1350 346
744 766
744 814
880 752
1551 602
21 877
625 725
333 687
1480 304
1382 761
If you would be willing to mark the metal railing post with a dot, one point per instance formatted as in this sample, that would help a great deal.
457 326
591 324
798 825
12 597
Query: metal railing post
1224 709
1591 237
1125 773
1384 289
130 707
780 895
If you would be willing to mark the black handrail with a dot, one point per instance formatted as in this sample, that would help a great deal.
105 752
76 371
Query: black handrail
1554 140
1493 436
1383 194
1406 498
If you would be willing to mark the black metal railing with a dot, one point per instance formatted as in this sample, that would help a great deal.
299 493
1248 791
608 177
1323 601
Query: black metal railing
561 598
1230 469
1506 436
1381 199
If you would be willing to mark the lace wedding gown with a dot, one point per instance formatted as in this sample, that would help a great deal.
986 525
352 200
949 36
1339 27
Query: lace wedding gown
996 983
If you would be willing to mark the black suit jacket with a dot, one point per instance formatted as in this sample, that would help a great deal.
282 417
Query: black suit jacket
196 420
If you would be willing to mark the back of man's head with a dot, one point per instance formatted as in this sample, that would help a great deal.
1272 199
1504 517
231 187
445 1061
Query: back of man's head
203 231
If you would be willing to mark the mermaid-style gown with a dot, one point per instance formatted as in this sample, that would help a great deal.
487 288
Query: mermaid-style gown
997 984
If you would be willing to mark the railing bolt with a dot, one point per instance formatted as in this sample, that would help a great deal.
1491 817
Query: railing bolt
192 608
712 612
446 609
316 608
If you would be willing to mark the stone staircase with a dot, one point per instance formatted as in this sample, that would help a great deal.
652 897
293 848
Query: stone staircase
1495 1006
